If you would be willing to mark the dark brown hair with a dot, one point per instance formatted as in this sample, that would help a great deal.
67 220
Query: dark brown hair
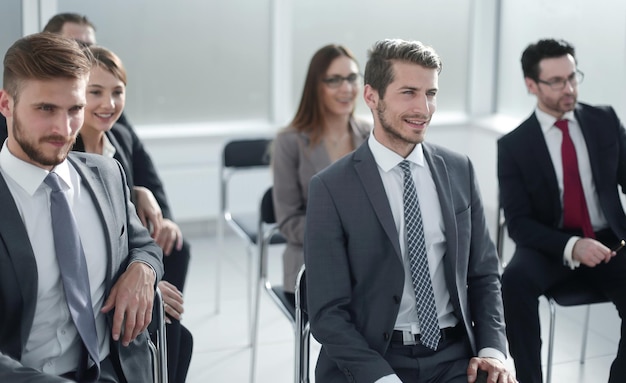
56 23
43 56
309 118
379 68
109 61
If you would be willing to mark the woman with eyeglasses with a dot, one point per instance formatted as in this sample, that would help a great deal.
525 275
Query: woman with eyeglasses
106 98
323 130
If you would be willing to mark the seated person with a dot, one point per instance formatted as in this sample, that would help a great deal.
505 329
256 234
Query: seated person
101 135
78 312
323 130
176 248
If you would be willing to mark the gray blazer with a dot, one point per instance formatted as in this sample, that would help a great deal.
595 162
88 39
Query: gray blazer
355 274
294 162
127 241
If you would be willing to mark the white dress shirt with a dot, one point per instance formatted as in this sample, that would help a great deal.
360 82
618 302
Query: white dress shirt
554 137
53 345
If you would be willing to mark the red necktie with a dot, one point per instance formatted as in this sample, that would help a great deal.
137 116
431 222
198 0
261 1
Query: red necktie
575 212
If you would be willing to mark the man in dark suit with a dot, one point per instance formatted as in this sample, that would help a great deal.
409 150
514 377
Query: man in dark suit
559 173
362 298
45 78
160 218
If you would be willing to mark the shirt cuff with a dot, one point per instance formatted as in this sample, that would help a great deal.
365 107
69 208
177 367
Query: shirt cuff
393 378
568 252
489 352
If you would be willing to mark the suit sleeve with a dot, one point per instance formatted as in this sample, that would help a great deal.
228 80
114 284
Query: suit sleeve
145 173
329 290
483 278
141 247
288 197
515 198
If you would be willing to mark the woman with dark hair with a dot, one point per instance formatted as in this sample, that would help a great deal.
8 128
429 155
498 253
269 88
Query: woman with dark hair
323 130
106 98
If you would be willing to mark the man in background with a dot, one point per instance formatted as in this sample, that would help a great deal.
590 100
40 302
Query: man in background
559 173
79 270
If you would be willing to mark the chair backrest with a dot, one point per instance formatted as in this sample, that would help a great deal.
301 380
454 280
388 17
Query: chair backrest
246 153
241 155
301 296
267 208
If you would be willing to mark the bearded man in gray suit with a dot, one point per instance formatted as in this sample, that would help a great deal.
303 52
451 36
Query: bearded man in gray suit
42 333
362 300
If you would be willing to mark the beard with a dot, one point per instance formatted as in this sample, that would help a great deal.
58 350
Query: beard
33 149
395 134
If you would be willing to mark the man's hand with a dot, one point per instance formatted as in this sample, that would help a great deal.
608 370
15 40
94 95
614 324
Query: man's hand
169 236
497 372
172 300
132 297
591 253
148 210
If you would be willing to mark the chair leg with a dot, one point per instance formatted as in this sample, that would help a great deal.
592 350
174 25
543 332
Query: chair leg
583 351
551 340
255 329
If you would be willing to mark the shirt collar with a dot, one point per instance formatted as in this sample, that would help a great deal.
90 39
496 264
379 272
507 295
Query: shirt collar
28 176
387 159
546 121
108 150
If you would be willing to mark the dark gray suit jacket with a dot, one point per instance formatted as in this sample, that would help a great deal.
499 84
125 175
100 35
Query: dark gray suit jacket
127 241
355 273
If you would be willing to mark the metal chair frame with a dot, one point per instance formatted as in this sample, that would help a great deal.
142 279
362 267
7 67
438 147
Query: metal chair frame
567 295
159 350
239 156
295 313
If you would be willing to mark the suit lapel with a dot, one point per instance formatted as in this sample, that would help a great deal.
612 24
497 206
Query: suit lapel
20 251
92 179
539 159
591 141
367 170
442 182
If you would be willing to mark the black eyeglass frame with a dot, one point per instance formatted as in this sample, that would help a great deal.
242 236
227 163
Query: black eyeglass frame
337 81
574 79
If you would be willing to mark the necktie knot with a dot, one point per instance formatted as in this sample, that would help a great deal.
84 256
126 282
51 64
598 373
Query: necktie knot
52 180
406 167
562 125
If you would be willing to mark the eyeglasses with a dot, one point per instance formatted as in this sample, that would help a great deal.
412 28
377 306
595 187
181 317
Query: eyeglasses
559 84
337 81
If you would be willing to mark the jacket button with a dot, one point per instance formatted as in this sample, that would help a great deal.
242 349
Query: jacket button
386 335
397 299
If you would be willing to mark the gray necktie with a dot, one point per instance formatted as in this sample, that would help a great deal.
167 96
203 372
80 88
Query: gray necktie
73 268
418 263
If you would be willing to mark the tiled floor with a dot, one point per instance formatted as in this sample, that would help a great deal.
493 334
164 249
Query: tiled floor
222 353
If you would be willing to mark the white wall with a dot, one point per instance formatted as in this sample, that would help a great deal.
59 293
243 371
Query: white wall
203 72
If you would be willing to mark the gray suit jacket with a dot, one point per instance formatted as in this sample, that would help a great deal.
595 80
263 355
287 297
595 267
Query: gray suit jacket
127 241
294 162
355 273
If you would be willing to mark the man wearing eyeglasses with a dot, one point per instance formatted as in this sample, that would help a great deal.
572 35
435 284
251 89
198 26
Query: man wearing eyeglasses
559 173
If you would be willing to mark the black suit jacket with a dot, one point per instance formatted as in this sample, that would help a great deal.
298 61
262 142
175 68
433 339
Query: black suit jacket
355 272
529 193
127 241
